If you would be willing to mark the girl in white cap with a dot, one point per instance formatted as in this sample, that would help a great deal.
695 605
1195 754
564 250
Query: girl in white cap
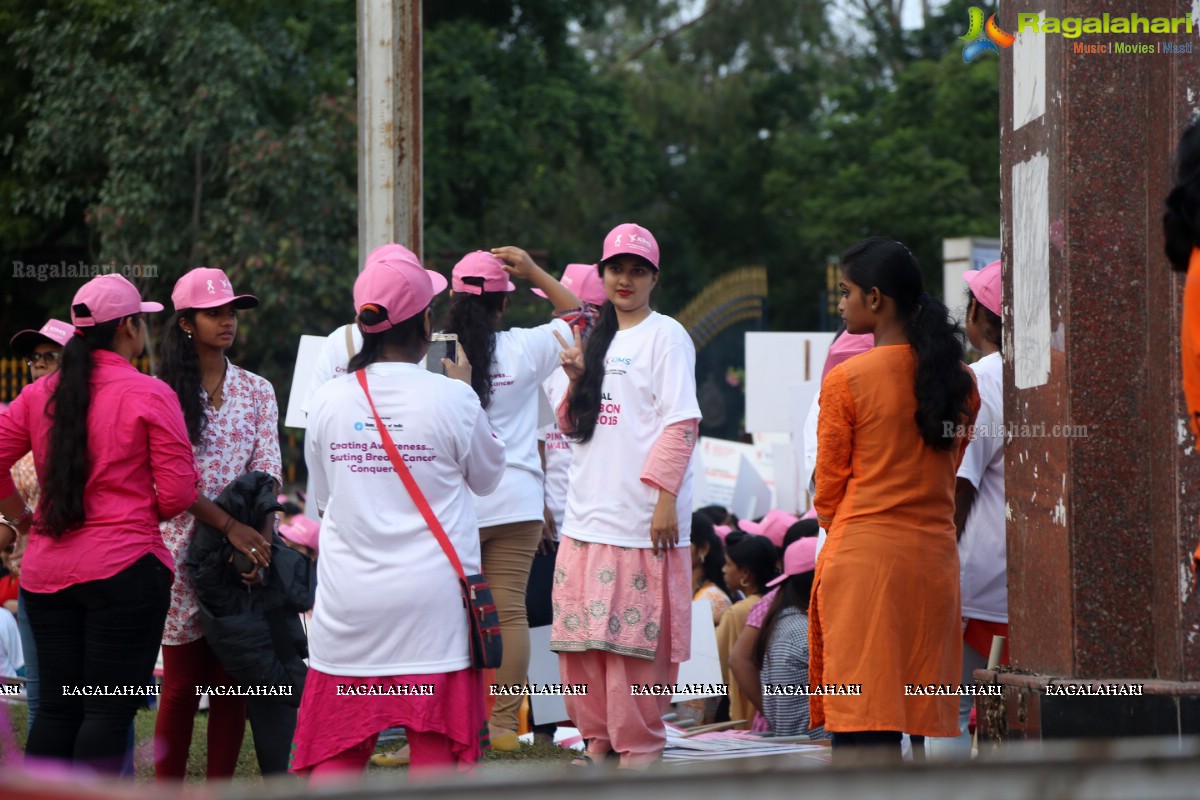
113 455
388 642
233 424
508 370
622 591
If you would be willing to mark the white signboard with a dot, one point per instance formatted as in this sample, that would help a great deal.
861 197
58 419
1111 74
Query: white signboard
302 375
774 361
751 495
704 667
717 469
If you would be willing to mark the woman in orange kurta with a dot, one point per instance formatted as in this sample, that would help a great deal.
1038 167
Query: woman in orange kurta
1181 232
891 432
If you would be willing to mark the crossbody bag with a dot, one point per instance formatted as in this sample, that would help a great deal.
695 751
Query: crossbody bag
482 616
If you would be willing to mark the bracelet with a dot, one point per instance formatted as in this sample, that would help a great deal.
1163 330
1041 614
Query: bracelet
228 526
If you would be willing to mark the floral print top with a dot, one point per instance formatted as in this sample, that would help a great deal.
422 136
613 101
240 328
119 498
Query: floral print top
242 436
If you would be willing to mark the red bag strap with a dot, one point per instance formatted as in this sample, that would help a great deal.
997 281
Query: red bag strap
410 483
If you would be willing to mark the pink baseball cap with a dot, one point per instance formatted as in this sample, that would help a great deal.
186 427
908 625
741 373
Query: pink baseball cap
631 239
845 347
206 287
53 332
302 531
774 526
481 265
105 298
799 558
986 286
585 281
396 283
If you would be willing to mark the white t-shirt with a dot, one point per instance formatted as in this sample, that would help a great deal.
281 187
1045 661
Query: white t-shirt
332 360
388 601
983 572
558 450
525 357
649 383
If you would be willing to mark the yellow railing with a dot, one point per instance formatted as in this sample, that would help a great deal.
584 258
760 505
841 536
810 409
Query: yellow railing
14 374
736 296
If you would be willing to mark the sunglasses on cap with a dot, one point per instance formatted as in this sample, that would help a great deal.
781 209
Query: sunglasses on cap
50 357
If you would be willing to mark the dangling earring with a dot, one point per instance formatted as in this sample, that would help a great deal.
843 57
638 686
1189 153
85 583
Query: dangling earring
189 334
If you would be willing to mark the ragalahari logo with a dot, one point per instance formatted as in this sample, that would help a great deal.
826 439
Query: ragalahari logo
982 38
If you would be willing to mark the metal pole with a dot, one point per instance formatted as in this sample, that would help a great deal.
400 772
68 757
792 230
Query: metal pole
389 125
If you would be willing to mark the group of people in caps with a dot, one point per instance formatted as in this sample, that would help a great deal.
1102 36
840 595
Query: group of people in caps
144 513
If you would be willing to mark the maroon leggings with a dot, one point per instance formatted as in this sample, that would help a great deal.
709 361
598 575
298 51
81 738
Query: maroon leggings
186 666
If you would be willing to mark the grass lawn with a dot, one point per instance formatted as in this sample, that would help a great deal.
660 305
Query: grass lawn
247 768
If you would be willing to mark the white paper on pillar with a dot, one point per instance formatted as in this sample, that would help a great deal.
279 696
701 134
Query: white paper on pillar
774 361
704 667
1031 271
785 478
302 375
1029 76
751 495
543 668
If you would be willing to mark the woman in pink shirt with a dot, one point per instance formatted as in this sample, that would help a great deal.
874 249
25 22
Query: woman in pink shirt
233 423
113 452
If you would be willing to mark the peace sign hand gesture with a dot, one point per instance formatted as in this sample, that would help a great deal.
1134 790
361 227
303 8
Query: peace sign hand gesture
571 356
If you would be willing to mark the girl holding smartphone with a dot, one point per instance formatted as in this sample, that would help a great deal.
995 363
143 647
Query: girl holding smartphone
508 369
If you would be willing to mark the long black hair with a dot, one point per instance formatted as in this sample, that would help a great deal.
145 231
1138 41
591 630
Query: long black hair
794 592
476 320
943 385
179 368
703 534
1181 222
756 554
408 336
67 462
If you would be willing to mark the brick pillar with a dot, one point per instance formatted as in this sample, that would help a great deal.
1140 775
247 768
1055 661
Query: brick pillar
1100 527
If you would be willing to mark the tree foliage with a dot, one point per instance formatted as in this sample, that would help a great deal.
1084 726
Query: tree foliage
740 131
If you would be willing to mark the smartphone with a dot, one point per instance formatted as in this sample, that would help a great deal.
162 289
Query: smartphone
441 345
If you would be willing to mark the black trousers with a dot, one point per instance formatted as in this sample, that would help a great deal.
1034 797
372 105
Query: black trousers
103 633
273 724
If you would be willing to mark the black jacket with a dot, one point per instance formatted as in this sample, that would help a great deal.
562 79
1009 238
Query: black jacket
255 631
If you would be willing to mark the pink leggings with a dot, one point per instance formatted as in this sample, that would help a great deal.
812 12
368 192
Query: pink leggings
432 753
186 666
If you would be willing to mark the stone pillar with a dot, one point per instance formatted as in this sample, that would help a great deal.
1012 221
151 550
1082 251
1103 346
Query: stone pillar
1102 474
389 124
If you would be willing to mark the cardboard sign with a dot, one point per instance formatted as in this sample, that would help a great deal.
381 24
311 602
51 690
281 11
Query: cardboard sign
717 470
302 375
774 361
751 496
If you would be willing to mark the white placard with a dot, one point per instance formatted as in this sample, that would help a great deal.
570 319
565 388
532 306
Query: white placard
543 668
785 478
302 375
717 469
704 667
802 396
774 361
751 495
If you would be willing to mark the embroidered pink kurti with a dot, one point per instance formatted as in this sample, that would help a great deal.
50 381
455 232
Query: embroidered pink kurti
242 436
